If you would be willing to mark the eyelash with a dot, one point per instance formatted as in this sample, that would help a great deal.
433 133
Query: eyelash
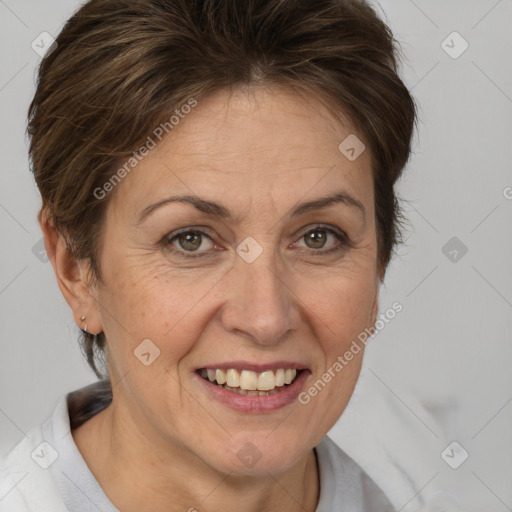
340 236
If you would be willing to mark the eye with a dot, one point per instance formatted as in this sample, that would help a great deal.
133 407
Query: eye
194 243
318 237
190 241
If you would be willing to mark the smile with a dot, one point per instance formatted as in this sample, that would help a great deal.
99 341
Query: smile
247 382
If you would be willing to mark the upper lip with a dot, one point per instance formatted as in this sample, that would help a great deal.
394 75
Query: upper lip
255 367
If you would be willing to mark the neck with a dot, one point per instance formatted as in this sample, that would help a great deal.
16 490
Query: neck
136 474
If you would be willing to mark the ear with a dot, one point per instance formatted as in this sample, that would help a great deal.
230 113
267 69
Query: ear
72 276
375 305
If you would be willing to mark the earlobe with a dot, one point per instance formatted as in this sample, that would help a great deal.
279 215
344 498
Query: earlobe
71 274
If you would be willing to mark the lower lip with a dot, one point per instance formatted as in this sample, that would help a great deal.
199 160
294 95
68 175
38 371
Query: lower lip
256 403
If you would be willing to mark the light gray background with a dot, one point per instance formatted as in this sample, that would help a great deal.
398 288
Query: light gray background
440 371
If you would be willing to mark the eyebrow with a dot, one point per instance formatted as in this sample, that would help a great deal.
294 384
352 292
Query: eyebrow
218 210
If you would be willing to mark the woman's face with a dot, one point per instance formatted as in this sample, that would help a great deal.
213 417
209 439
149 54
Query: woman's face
263 288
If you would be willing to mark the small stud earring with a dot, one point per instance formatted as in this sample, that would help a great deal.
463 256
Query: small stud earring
84 330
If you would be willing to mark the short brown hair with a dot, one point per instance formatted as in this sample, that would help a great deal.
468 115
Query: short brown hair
121 67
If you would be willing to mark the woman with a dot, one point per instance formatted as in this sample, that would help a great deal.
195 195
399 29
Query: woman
218 207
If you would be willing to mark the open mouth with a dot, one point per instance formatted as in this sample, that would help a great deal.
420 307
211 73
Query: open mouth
246 382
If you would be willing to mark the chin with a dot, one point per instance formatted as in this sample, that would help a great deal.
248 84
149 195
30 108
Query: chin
259 455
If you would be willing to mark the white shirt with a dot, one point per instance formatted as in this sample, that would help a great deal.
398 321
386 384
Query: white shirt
45 472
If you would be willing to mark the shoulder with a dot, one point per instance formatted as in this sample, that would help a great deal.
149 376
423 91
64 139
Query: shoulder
343 480
31 473
26 481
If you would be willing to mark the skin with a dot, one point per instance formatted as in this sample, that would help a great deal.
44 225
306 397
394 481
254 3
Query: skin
164 444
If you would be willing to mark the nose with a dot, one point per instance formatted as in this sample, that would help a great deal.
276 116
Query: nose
260 305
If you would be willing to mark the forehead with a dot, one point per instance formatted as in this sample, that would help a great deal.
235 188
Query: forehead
262 146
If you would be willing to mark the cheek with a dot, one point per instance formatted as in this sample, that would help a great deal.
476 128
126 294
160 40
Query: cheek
341 310
155 303
343 305
341 313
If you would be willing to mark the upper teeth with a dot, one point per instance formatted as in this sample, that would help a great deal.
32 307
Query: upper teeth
248 380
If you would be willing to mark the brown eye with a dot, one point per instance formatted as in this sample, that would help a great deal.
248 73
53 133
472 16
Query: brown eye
188 242
316 239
